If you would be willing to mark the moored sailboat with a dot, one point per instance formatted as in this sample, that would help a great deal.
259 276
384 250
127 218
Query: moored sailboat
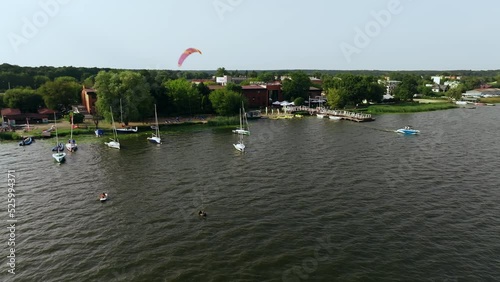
155 138
59 155
243 129
71 145
113 143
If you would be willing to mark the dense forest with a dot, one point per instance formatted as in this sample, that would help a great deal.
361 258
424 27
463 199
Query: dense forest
30 88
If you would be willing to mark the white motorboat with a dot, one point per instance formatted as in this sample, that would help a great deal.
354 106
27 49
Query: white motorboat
408 130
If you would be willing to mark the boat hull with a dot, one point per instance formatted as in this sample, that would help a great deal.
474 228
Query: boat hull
58 148
26 141
104 199
59 157
240 147
127 130
241 131
408 131
71 147
113 144
154 139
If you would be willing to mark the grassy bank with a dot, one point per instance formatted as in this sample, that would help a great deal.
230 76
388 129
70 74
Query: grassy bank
224 121
408 108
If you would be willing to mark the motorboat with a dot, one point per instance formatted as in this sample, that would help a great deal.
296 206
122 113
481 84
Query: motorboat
408 130
320 115
103 198
334 117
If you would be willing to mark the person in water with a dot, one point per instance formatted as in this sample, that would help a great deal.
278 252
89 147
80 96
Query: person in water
202 213
103 195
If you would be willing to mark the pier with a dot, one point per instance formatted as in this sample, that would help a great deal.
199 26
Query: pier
346 115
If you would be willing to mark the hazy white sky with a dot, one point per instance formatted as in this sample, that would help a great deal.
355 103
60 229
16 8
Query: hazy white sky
252 34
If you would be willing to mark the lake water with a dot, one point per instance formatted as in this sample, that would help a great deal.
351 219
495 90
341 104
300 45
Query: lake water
311 200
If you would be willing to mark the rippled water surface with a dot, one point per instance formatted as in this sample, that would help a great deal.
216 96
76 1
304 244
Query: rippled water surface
311 199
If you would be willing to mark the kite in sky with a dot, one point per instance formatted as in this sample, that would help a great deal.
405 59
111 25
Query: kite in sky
186 53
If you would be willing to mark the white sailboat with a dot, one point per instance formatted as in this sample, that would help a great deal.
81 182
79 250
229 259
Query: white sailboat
114 143
240 146
124 129
243 120
71 145
155 138
59 155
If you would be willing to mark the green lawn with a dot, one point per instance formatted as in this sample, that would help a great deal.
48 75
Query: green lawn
409 108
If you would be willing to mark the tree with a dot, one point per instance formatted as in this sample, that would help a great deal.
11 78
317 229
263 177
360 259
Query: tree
337 98
24 99
472 82
234 87
183 95
456 93
220 72
297 86
353 89
77 117
226 102
407 88
424 90
61 93
204 91
40 79
126 87
298 101
265 77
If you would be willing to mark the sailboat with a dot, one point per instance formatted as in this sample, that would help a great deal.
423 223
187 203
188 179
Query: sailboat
155 138
59 155
240 146
114 143
124 129
243 120
71 145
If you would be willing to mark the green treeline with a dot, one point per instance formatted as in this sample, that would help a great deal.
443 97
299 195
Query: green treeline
30 88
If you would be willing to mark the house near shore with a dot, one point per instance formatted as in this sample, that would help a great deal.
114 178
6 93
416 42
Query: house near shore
15 117
89 97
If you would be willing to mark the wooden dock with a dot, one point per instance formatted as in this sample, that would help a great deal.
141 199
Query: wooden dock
345 115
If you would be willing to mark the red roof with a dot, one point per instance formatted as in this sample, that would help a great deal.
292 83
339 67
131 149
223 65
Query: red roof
215 87
10 111
249 87
46 111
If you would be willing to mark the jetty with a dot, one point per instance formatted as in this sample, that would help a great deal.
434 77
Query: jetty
345 115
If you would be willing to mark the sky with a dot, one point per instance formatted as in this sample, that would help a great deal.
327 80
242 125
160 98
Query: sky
252 34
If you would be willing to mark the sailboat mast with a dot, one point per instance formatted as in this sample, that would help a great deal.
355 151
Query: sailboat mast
121 112
57 137
157 126
113 122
